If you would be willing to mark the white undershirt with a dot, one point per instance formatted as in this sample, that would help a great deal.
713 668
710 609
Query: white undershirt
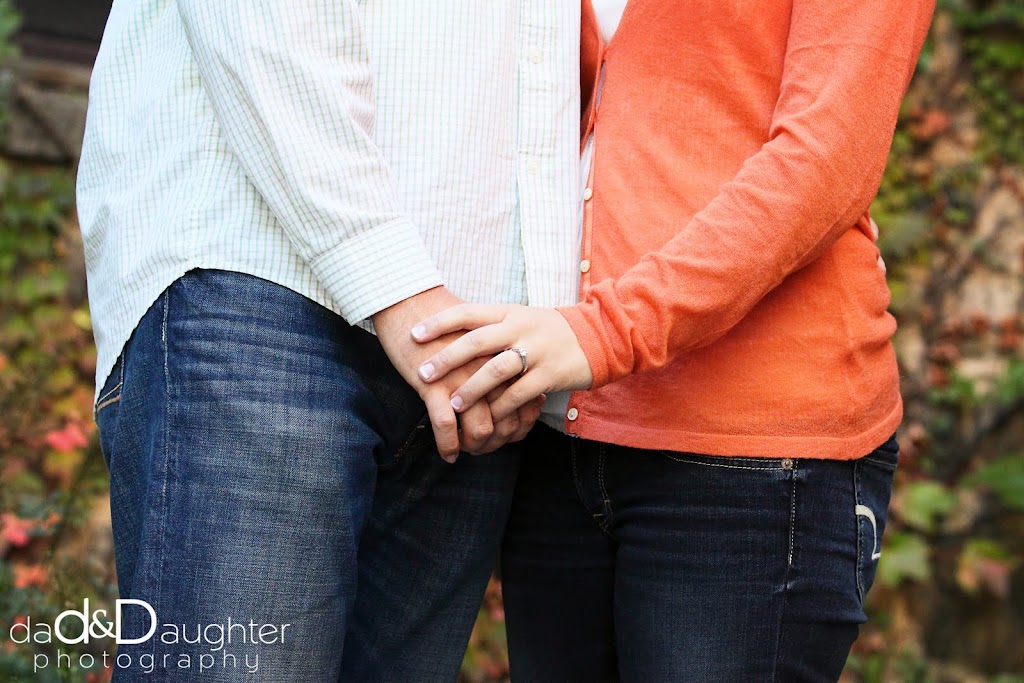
608 13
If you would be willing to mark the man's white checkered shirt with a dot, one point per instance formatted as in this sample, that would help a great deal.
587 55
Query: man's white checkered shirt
355 152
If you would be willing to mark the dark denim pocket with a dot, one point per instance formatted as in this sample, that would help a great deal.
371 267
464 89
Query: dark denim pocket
873 476
730 461
887 455
419 437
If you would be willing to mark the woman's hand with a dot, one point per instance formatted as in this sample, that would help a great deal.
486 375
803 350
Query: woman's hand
555 361
475 431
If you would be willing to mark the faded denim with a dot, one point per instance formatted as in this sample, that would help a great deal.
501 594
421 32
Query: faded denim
268 464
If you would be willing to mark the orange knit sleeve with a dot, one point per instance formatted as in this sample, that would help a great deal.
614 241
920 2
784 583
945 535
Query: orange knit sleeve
847 66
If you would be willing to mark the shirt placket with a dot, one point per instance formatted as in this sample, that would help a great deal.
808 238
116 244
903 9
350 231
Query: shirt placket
545 215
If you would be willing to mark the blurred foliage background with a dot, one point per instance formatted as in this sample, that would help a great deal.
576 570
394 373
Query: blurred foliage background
948 604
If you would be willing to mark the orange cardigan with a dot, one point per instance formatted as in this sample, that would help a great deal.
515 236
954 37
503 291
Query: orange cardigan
732 300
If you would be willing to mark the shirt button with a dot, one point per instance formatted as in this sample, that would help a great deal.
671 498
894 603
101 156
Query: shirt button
536 56
584 266
533 166
587 194
572 414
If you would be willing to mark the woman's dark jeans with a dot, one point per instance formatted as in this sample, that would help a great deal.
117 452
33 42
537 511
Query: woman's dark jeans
633 565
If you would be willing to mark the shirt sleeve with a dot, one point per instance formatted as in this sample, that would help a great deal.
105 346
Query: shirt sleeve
847 66
291 85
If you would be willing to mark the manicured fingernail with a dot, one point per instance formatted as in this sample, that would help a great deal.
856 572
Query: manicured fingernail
418 332
427 370
457 402
543 398
450 459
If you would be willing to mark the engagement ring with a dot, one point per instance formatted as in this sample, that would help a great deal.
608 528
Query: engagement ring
522 357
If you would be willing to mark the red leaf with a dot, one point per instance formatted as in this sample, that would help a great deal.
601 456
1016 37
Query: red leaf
30 575
14 530
68 439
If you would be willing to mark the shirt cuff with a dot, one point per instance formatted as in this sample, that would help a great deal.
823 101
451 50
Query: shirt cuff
373 270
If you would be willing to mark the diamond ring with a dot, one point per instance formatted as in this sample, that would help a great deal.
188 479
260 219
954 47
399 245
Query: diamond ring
522 357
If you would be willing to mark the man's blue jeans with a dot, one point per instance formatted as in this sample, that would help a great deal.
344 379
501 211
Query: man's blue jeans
269 467
622 564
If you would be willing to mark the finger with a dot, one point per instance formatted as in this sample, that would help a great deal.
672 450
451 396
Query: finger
460 317
528 416
444 424
532 385
503 430
485 341
492 374
477 427
495 393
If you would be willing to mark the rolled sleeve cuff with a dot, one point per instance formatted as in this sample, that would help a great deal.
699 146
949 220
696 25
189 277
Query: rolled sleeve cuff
376 269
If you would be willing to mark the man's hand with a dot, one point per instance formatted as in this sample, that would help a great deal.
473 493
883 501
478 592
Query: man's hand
479 432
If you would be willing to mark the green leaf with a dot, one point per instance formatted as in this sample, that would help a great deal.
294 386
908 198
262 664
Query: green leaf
904 557
924 503
1005 478
1010 387
959 393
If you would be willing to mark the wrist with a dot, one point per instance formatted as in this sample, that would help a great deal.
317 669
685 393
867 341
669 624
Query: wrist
400 317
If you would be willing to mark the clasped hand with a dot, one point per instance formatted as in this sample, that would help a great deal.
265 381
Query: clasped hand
554 359
455 355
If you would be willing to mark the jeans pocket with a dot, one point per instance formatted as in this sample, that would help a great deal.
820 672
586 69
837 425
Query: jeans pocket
112 387
873 477
106 409
418 438
730 461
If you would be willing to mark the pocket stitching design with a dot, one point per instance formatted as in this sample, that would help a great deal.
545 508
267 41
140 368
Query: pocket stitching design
880 462
105 396
109 398
103 404
406 446
767 466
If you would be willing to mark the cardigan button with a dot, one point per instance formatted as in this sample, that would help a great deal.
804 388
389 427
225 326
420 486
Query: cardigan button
584 266
572 414
587 194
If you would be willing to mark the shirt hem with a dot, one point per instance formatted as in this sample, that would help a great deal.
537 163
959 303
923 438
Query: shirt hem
823 447
107 356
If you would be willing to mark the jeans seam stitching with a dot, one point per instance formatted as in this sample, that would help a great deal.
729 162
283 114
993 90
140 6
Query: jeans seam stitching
162 520
880 462
712 464
789 566
860 534
605 500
